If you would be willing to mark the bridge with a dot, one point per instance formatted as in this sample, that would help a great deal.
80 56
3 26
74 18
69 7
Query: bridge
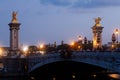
106 60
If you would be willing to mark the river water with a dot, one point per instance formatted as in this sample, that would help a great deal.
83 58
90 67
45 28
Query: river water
73 77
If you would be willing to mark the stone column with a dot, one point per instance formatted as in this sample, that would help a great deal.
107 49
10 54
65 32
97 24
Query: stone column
97 34
14 27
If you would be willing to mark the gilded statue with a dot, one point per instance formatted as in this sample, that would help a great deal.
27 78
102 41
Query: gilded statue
97 21
14 17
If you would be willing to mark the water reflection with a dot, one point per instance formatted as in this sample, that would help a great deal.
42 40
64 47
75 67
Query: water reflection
72 77
115 76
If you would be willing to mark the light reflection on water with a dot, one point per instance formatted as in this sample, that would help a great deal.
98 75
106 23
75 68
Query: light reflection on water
115 76
73 77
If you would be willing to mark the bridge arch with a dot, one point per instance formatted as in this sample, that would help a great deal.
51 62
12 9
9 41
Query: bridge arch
60 60
104 60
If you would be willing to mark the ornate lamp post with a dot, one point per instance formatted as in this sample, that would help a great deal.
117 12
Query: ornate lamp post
113 40
117 32
80 39
42 48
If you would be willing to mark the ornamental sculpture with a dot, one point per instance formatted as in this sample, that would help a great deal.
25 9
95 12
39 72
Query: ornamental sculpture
97 22
14 17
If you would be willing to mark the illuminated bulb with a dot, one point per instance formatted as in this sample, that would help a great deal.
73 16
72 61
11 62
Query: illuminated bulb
73 76
25 48
0 52
72 43
41 46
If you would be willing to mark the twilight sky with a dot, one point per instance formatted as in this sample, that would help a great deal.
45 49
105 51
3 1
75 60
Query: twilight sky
46 21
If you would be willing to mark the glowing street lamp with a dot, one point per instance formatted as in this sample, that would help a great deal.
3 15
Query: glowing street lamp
72 43
79 47
113 46
113 38
1 52
117 32
80 39
25 49
41 47
73 76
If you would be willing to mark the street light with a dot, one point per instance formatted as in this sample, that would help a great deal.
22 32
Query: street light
80 39
42 48
25 49
117 32
72 43
1 52
73 76
113 38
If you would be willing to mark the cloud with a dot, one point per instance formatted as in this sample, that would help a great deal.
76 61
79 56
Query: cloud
56 2
95 3
82 3
78 6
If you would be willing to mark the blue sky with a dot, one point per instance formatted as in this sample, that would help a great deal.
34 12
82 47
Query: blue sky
55 20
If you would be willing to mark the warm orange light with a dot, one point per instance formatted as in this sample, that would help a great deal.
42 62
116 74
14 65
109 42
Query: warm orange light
79 47
41 46
116 31
72 43
95 42
115 76
113 46
1 52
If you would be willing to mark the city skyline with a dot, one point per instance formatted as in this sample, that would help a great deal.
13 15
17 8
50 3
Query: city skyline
56 20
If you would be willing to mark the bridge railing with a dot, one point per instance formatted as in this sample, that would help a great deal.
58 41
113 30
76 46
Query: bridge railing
105 56
110 60
32 60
